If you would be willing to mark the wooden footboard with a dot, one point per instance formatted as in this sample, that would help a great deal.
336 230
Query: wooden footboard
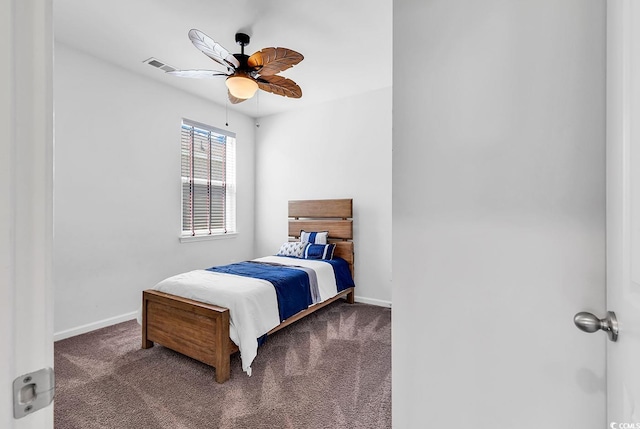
195 329
200 330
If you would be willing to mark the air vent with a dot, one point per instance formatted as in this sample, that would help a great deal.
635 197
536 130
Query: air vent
159 64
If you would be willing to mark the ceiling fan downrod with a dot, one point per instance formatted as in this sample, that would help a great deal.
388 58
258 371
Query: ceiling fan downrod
242 39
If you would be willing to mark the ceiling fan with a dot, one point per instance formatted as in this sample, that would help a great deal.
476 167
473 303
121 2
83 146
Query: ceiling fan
245 74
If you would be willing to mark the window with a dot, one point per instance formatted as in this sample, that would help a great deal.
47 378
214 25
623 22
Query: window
208 159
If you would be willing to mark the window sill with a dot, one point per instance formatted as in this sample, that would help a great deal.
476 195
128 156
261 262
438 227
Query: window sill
191 238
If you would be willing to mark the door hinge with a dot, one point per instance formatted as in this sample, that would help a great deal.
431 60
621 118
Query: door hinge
33 391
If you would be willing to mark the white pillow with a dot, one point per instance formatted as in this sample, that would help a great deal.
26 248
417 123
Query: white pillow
314 237
292 248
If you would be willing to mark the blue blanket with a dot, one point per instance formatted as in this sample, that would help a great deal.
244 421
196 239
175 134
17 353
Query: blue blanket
342 273
292 285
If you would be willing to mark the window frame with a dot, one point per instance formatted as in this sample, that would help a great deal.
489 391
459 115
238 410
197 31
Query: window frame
228 183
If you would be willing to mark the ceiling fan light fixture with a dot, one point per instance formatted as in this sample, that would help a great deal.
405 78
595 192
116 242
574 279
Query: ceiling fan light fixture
241 86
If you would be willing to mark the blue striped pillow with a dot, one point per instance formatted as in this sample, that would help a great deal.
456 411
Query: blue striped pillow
319 251
314 237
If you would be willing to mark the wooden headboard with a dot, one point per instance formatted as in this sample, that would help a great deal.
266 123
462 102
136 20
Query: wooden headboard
335 216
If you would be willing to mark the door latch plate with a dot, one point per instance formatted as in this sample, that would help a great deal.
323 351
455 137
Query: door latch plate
32 392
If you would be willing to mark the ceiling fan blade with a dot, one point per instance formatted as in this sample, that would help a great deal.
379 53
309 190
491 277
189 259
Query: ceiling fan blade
270 61
198 74
213 49
235 100
280 86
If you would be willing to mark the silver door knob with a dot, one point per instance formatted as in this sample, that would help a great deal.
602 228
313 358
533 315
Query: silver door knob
588 322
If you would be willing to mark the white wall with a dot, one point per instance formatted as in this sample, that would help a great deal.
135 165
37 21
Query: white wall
498 182
117 189
339 149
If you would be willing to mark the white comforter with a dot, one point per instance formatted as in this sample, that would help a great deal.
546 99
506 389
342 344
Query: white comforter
252 303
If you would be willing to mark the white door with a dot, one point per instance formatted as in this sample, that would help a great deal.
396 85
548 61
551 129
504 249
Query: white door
26 200
498 213
623 210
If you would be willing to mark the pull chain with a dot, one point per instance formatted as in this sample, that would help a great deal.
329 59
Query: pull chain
258 110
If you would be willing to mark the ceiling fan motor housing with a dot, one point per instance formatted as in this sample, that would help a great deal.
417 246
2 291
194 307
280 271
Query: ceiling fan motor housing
242 59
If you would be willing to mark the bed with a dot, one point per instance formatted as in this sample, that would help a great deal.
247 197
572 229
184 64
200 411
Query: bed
204 330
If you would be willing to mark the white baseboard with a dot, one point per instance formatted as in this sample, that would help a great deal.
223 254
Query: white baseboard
93 326
372 301
130 316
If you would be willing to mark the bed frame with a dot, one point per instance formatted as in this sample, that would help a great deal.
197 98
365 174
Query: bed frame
201 330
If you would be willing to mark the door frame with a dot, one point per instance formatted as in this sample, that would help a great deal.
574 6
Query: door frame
623 205
26 199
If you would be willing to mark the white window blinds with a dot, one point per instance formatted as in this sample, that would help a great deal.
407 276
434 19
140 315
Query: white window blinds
208 159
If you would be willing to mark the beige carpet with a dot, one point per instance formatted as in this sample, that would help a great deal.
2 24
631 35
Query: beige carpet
329 370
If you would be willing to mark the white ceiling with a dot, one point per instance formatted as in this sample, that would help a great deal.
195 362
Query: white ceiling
347 45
